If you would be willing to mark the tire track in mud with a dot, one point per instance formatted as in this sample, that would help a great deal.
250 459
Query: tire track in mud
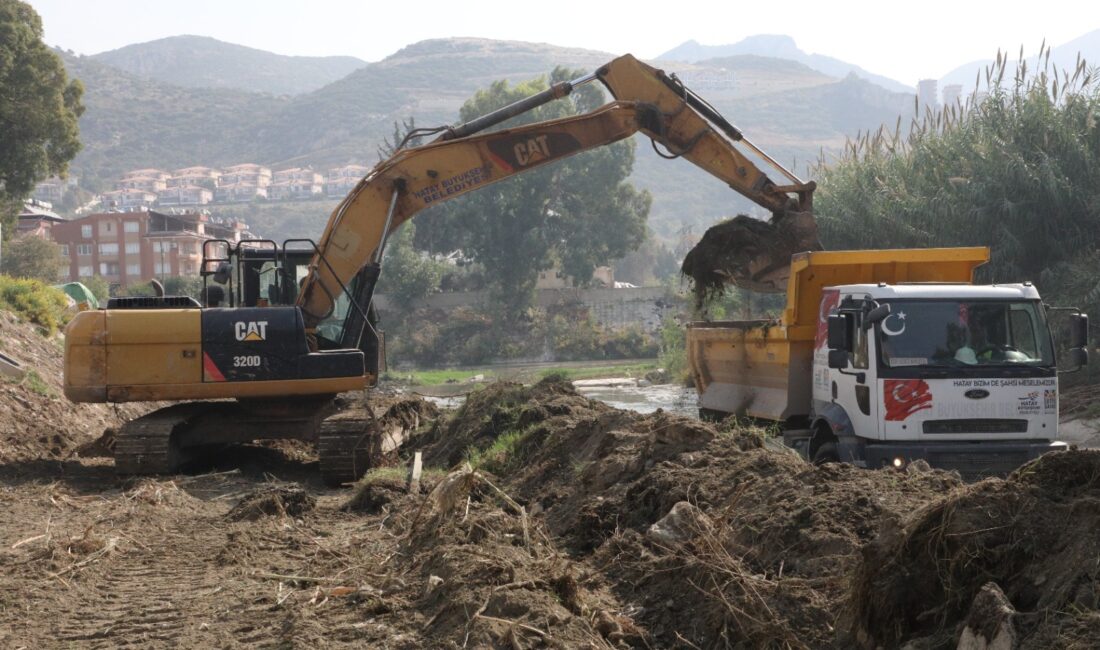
160 593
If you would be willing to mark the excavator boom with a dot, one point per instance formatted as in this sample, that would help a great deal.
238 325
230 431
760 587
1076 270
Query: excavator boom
463 159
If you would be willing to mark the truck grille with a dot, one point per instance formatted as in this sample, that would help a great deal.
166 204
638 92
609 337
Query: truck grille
976 425
973 466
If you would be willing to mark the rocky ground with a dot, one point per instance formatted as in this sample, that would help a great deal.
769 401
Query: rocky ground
544 519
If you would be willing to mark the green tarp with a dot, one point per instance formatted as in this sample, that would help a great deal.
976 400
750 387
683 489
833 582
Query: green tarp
79 293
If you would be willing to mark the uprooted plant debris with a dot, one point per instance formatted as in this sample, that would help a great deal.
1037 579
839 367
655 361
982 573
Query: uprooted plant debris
749 253
272 501
1031 538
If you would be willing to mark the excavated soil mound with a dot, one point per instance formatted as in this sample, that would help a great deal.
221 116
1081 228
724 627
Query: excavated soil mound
493 578
1034 536
492 412
749 253
36 421
764 561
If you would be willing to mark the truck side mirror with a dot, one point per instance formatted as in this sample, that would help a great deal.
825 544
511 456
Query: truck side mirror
1079 330
838 359
876 315
840 333
222 272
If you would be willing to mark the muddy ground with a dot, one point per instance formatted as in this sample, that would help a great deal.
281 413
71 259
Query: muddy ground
581 526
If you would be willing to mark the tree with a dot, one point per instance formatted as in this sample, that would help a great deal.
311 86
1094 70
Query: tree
39 107
99 287
32 257
579 212
409 275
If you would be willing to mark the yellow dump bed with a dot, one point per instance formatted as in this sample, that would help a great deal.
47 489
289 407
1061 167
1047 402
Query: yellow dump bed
764 369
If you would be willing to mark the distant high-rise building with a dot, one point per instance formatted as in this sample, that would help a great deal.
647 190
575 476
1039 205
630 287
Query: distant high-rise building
951 94
928 93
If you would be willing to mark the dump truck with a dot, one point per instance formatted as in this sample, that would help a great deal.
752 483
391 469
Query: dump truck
883 357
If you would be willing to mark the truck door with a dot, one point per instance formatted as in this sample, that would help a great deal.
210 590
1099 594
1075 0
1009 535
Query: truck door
855 385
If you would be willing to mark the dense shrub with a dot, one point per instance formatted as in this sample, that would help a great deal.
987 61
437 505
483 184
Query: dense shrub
35 301
468 336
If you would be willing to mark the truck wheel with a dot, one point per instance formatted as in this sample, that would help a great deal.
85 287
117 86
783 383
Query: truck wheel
827 453
711 415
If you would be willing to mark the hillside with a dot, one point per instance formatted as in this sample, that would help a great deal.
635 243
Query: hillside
134 122
203 62
779 47
786 107
429 81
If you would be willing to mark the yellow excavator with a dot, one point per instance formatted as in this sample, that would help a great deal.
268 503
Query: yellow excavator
282 330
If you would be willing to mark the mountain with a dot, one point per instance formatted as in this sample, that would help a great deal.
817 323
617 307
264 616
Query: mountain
1062 57
203 62
428 81
779 47
790 110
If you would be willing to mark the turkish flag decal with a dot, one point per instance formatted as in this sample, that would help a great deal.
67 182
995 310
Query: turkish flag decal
905 397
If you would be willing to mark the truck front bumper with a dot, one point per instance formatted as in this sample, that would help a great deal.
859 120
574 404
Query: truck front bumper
972 460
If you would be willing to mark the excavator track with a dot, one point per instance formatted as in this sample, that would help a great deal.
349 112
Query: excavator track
147 445
346 447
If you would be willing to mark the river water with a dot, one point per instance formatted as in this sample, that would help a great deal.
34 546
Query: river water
647 399
642 399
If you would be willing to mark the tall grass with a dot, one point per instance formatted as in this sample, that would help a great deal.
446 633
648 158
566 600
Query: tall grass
1017 170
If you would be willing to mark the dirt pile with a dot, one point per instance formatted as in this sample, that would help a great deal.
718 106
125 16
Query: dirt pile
493 576
36 421
763 560
749 253
1032 536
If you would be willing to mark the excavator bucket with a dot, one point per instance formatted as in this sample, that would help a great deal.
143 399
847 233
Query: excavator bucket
749 253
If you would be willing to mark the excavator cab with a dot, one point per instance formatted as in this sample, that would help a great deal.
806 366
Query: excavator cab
261 273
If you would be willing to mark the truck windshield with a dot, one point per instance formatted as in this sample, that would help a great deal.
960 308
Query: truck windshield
964 333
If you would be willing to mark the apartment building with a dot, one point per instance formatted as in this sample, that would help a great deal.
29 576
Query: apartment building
193 180
152 184
133 247
36 220
248 174
129 199
197 170
299 175
341 180
147 172
184 195
237 192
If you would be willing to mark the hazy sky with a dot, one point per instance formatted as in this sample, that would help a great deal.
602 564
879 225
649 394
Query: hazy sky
906 41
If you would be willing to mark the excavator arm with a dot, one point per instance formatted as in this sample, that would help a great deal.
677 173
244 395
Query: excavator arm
463 159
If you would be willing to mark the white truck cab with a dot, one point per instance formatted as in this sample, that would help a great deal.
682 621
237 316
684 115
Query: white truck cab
962 376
